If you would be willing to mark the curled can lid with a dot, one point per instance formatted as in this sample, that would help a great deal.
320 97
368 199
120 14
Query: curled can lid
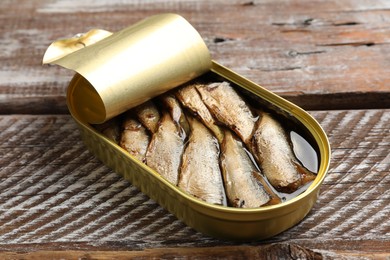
124 69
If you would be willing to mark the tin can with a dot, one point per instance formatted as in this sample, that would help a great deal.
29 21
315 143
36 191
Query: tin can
218 221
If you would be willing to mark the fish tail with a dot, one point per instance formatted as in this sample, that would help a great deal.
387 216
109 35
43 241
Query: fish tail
273 197
306 175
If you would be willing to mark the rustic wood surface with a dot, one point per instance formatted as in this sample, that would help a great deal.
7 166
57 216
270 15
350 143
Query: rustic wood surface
332 57
56 195
319 54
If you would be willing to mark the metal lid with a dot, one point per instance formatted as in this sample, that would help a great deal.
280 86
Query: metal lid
126 68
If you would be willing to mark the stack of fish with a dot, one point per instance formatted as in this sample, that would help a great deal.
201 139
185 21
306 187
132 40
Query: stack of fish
208 141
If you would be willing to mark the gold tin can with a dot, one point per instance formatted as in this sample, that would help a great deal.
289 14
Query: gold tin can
218 221
128 67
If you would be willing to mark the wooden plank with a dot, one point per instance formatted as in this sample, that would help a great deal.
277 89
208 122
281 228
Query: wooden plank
237 252
319 54
56 196
275 251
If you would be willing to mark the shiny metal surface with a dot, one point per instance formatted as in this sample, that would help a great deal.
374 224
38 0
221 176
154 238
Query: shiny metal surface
133 65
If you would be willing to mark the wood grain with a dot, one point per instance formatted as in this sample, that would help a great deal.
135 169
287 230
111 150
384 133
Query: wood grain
56 195
59 202
236 252
319 54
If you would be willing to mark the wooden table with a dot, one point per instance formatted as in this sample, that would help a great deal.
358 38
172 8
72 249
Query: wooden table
331 57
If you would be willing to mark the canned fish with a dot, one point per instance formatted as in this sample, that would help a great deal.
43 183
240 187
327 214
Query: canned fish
221 127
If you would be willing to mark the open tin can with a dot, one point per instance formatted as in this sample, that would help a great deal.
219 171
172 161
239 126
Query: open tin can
118 71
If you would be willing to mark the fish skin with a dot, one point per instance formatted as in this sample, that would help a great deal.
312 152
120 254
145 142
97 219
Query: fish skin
275 198
190 98
148 115
134 138
176 111
276 158
110 129
229 108
200 172
243 185
166 148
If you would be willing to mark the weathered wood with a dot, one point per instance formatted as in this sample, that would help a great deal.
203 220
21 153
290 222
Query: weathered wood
56 196
57 201
277 251
319 54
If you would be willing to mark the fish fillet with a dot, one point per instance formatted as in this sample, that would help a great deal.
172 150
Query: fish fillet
200 172
166 148
110 129
190 98
243 186
229 108
176 111
148 115
274 153
134 138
